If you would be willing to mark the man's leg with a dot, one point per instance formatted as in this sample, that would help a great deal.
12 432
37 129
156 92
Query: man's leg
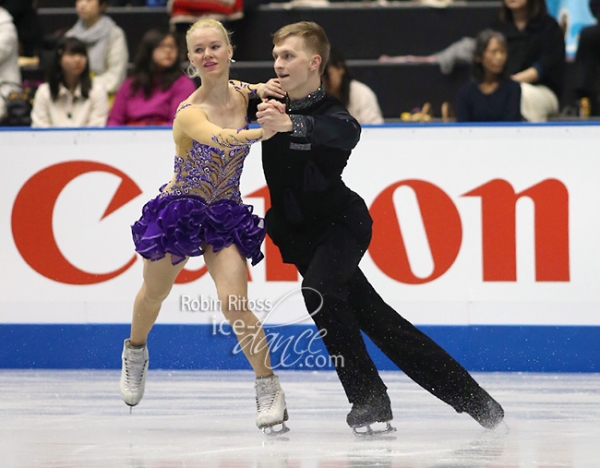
326 279
423 360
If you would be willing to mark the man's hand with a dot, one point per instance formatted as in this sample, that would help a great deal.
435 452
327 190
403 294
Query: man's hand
271 115
267 134
271 88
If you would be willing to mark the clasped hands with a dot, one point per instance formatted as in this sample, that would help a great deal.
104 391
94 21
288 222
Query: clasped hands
271 114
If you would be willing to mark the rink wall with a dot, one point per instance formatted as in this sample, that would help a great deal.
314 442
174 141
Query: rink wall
486 237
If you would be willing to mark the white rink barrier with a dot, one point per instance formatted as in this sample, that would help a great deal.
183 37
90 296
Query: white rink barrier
479 231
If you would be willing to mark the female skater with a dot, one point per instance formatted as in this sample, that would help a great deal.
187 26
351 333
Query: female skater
199 212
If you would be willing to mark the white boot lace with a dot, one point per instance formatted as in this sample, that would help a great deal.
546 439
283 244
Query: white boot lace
267 390
134 371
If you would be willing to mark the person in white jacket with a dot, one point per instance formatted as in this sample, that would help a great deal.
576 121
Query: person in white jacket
357 97
10 74
105 41
70 98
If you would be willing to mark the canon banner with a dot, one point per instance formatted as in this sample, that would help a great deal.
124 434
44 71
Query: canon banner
473 225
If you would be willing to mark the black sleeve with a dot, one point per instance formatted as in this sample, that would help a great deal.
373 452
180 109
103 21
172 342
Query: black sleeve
336 129
512 111
553 54
462 105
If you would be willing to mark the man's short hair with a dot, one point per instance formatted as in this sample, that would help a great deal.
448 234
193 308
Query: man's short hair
314 37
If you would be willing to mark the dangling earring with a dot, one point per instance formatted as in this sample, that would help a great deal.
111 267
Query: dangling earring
231 60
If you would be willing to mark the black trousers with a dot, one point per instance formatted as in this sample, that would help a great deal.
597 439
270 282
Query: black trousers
587 62
350 304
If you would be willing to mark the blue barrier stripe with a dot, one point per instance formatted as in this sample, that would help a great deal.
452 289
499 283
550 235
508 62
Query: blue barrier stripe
479 348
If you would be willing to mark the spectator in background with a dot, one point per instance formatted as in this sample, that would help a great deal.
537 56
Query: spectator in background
185 12
29 28
357 97
491 96
9 58
105 41
70 98
157 85
536 56
587 62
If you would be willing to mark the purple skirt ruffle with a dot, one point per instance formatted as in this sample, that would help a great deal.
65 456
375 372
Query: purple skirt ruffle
179 225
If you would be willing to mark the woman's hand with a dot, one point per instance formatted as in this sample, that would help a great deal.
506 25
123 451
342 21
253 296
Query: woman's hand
271 88
529 75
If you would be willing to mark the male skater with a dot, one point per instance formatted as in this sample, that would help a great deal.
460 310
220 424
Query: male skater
324 229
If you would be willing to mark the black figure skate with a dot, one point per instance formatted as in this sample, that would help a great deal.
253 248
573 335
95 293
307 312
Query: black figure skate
377 409
485 410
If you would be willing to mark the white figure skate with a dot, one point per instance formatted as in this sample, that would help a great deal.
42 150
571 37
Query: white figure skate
270 406
133 373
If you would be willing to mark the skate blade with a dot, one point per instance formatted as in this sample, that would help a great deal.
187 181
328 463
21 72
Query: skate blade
272 432
367 431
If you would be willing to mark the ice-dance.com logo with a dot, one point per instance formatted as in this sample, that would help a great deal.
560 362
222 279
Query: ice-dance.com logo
286 350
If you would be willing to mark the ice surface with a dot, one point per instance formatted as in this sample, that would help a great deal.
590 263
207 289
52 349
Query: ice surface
205 419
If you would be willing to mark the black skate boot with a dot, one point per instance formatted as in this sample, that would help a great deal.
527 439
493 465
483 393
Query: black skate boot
485 410
377 409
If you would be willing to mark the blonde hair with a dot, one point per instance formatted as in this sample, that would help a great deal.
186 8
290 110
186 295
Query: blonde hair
192 72
314 37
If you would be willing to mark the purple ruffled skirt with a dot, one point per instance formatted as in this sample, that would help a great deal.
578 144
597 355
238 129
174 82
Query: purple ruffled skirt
180 224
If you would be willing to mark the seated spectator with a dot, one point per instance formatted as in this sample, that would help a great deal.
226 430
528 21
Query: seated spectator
359 99
70 98
587 62
9 58
105 41
157 85
491 96
184 13
536 55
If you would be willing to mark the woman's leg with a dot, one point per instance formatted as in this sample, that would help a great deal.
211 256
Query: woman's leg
159 277
228 270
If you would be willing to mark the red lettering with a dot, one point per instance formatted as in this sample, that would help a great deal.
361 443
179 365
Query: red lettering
442 226
32 220
498 211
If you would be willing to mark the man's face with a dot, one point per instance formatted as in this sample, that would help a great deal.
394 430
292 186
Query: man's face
294 64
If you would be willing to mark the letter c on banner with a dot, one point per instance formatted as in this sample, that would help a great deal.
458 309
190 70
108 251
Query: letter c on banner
32 220
442 227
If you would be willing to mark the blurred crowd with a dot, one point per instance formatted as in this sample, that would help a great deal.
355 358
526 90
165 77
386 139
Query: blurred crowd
517 67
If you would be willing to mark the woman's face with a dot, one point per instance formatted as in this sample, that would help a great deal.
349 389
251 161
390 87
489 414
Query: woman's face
209 51
332 80
165 53
73 64
515 4
89 10
494 57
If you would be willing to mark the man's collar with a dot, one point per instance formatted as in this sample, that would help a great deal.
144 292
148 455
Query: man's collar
307 101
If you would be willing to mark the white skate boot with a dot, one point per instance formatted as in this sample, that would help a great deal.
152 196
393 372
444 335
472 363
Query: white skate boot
133 373
270 406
